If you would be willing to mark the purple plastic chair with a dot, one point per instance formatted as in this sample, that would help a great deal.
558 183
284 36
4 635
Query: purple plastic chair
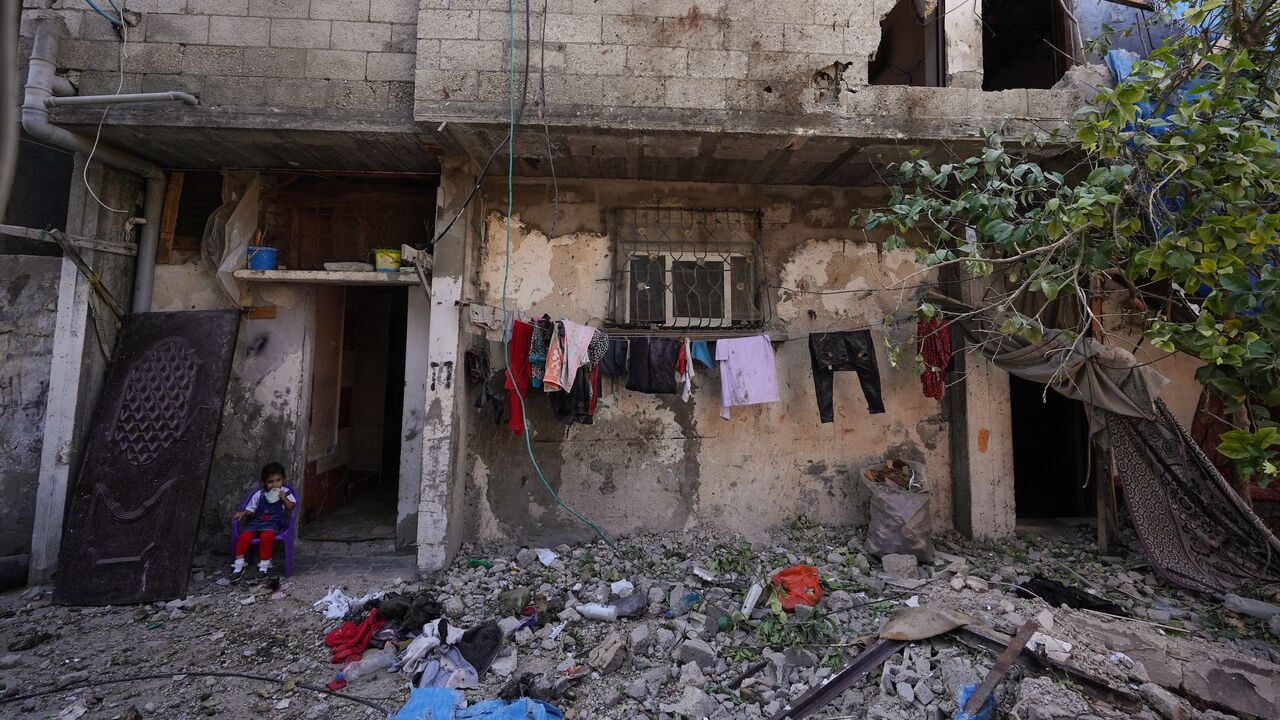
286 536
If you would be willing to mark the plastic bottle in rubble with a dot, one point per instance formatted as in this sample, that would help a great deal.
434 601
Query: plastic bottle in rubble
684 604
370 664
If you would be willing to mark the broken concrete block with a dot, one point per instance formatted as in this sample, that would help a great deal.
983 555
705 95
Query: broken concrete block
1232 684
1166 704
609 655
698 652
1253 608
693 703
903 566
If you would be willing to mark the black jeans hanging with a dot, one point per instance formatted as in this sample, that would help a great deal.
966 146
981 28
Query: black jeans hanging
832 351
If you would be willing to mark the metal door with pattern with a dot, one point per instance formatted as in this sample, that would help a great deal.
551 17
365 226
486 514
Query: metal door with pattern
136 504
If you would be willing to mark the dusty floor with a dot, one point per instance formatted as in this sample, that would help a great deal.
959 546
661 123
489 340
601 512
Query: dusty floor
1204 662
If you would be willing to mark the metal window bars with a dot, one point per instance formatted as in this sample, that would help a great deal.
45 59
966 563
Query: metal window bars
687 268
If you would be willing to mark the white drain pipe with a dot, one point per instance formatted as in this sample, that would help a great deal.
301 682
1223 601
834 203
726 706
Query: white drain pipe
43 84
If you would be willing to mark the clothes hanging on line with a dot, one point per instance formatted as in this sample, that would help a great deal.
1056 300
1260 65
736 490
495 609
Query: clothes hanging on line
517 374
933 342
614 362
748 374
538 343
851 350
701 352
684 367
579 404
652 365
574 350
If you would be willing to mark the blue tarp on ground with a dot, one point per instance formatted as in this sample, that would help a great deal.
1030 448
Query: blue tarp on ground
443 704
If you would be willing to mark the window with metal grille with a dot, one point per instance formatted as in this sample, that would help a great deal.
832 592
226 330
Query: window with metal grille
681 268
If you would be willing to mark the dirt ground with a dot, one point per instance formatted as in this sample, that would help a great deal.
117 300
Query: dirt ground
1161 660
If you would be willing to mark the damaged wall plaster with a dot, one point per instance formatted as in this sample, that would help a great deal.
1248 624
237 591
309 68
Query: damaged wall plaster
265 409
654 462
28 307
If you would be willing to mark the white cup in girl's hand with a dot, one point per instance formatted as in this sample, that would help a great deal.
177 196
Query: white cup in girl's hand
273 495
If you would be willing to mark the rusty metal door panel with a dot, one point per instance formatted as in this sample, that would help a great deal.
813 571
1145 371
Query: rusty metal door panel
136 504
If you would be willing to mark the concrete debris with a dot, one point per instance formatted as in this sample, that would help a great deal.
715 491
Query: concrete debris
900 566
1253 608
723 659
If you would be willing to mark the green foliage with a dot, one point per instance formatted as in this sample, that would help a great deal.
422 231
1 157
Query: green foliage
733 559
1177 189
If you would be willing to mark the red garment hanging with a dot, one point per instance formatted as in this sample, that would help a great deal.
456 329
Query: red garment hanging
933 342
518 366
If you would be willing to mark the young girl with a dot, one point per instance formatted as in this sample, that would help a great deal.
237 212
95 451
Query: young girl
269 508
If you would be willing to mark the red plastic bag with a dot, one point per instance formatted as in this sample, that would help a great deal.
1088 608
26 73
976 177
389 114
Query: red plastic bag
797 585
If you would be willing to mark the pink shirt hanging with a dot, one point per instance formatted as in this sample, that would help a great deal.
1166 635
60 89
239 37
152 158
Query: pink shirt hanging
748 375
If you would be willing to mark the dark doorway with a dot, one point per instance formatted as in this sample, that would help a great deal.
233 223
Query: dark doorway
357 399
911 46
1050 453
1025 44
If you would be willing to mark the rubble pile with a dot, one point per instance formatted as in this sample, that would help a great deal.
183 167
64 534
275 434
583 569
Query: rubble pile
684 625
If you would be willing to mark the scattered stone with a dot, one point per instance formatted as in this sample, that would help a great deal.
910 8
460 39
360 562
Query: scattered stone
641 638
976 584
1165 703
839 601
608 656
1040 698
902 566
699 652
957 583
10 661
906 692
923 694
691 674
1045 619
693 703
636 689
1253 608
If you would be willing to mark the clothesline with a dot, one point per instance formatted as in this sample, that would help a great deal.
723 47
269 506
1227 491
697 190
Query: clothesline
710 333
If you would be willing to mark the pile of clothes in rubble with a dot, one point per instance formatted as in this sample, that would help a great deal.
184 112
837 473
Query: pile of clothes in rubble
415 640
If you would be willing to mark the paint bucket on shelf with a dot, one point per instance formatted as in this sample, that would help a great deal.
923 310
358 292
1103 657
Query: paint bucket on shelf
262 258
386 260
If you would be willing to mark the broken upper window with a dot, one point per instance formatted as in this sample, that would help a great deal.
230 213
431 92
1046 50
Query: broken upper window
1025 43
680 268
911 50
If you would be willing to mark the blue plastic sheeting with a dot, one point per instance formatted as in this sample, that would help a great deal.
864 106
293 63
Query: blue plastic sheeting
984 712
443 704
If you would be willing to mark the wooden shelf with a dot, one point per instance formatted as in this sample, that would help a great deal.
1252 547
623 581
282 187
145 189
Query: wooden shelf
325 277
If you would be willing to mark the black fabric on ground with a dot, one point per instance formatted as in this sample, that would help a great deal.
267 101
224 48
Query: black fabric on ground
1196 531
1057 594
479 646
652 365
408 612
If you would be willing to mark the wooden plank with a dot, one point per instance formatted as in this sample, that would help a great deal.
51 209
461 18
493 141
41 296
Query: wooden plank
325 277
169 216
260 313
1001 668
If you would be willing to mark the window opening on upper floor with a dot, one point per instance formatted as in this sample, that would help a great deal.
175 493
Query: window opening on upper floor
1025 43
912 48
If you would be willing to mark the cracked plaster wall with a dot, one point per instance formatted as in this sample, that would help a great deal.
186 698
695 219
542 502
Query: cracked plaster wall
28 308
654 462
265 411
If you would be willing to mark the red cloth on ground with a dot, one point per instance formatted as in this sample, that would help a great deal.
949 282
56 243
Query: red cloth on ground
518 368
933 342
349 640
264 543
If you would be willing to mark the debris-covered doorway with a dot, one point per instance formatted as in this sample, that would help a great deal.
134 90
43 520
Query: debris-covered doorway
1050 453
357 399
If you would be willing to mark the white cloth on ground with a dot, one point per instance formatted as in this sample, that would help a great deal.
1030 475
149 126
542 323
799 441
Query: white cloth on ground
440 663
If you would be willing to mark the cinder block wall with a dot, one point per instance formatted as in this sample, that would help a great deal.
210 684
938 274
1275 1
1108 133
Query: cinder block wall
356 54
728 55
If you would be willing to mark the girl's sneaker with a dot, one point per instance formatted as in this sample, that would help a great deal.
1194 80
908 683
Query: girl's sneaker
236 574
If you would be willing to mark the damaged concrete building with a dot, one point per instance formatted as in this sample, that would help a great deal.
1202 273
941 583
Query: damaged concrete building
727 144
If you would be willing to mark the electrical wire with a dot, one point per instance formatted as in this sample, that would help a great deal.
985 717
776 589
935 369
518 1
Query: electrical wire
97 136
114 22
193 673
506 272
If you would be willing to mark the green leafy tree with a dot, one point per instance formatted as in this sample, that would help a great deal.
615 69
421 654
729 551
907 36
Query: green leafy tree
1170 190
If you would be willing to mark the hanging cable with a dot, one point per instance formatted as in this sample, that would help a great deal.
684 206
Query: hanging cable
114 22
506 272
97 136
